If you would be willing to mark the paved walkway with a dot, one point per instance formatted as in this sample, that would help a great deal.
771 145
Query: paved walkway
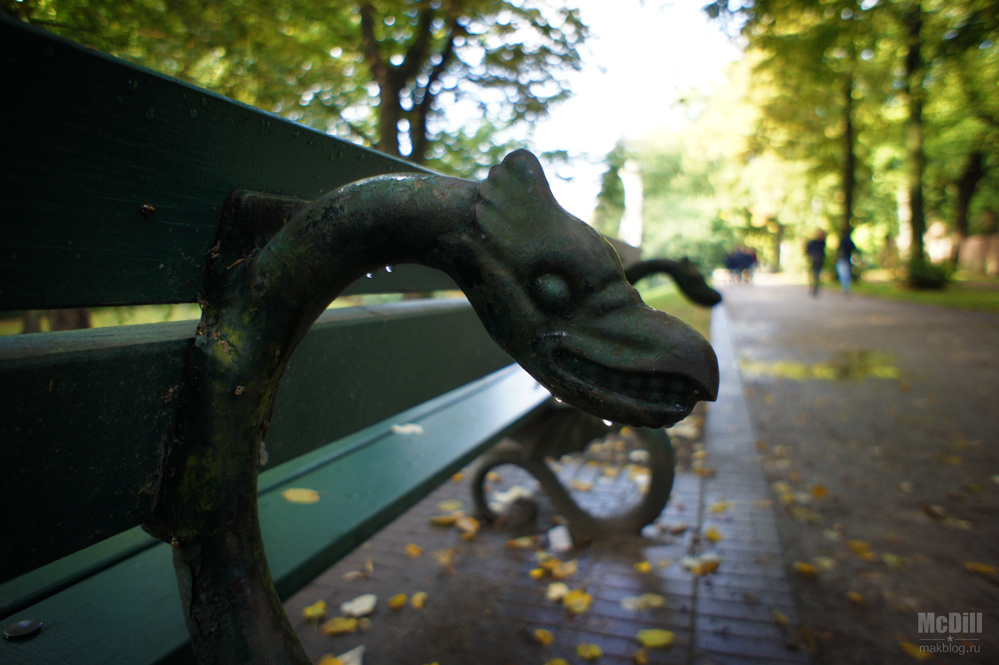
483 605
877 429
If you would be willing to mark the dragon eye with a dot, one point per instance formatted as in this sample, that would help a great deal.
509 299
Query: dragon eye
552 293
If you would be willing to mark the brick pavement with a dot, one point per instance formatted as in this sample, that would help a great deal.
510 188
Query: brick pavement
483 605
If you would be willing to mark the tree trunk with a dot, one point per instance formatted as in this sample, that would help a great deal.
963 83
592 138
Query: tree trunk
849 159
966 185
915 73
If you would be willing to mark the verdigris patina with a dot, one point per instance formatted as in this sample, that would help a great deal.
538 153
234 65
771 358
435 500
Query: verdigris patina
549 289
558 429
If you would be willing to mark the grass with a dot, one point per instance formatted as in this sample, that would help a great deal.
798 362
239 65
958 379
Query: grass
668 298
967 291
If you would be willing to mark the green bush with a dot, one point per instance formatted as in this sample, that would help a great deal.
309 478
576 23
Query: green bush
928 276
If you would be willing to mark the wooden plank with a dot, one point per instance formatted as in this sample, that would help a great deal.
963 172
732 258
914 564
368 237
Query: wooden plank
140 618
90 142
88 410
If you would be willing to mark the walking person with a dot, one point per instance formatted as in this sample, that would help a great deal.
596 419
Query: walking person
815 250
844 261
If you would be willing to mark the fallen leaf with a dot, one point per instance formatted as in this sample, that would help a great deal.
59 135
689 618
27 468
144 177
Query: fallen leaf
643 602
458 477
468 526
805 569
713 534
329 659
581 485
643 567
353 657
824 562
340 626
702 565
640 657
556 591
408 429
419 600
577 601
300 495
953 460
446 559
856 598
557 661
589 652
450 505
413 551
398 601
315 612
819 491
719 507
892 560
780 618
446 520
980 568
522 543
861 549
543 637
361 606
656 638
912 650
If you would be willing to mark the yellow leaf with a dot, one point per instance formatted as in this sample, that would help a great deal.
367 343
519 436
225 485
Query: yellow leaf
643 567
805 569
861 549
656 638
300 495
577 601
469 526
315 612
557 661
556 591
980 568
780 618
543 637
713 534
413 550
645 601
340 626
914 651
419 600
450 505
580 485
458 477
329 659
856 598
718 507
819 491
398 601
445 520
589 651
537 573
523 543
640 657
494 477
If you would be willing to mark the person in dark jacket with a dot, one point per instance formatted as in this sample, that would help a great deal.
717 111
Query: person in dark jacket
815 250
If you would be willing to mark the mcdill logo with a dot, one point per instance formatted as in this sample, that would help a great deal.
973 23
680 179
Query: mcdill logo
950 633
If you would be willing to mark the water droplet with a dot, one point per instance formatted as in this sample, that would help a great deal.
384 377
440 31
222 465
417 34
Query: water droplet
558 400
388 268
607 422
370 275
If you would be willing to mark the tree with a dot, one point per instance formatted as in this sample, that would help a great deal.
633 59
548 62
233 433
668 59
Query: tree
440 82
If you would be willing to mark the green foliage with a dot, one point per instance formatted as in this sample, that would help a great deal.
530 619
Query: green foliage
431 80
927 276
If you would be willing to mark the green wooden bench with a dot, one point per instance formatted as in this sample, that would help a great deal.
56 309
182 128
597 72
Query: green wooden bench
118 187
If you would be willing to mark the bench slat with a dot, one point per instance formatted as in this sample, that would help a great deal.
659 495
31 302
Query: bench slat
95 621
85 235
87 473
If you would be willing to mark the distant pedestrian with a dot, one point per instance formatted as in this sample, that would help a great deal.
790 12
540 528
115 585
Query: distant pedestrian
815 250
844 261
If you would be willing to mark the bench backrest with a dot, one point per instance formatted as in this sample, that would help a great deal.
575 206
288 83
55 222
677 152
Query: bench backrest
113 181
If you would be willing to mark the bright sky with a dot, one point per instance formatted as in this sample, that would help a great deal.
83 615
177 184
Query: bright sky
651 53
